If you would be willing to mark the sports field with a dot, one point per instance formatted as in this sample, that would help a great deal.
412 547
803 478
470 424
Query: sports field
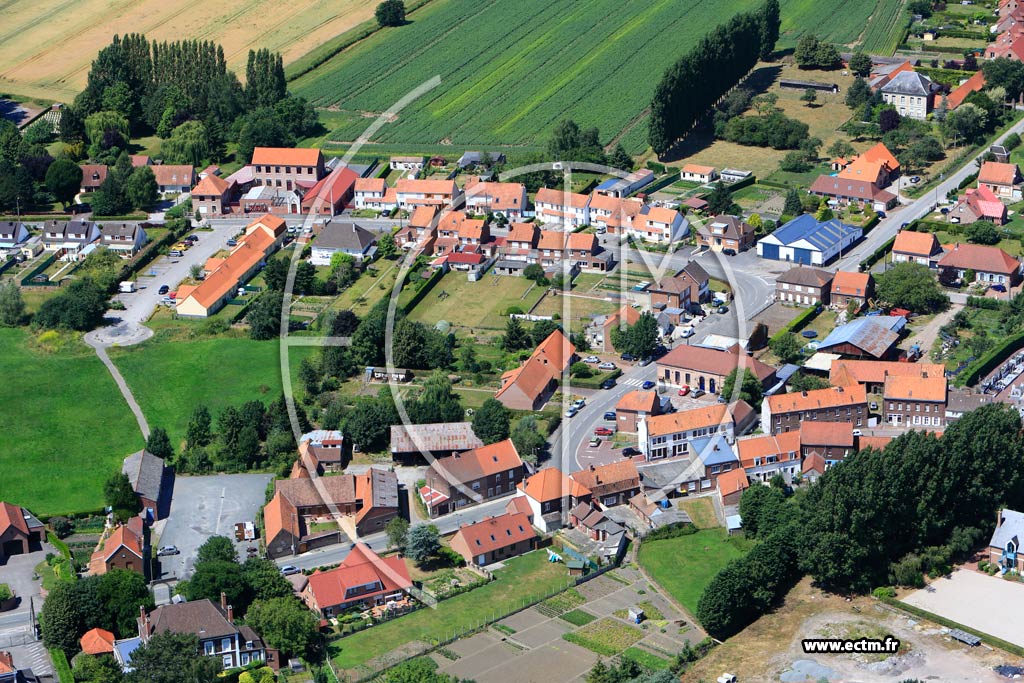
49 44
511 70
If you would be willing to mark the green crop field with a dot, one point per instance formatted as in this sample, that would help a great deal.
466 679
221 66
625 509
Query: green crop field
510 71
67 427
885 31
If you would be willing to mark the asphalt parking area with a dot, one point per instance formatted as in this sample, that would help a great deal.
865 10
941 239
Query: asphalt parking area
208 506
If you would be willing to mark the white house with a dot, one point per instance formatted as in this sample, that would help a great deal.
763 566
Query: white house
548 494
567 209
508 199
407 163
697 173
410 193
12 234
659 224
69 239
808 241
345 237
125 239
373 193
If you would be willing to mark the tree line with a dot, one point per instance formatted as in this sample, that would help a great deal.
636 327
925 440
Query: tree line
880 517
692 86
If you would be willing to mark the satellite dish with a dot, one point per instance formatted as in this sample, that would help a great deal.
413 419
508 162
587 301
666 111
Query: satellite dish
442 326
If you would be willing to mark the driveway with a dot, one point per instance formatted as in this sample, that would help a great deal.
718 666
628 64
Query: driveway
208 506
126 327
17 573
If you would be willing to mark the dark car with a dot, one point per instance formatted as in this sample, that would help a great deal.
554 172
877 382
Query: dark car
628 357
232 243
608 384
723 309
999 288
880 214
629 452
610 415
648 385
729 252
163 289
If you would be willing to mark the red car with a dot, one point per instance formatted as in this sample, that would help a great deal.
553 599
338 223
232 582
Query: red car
603 431
684 390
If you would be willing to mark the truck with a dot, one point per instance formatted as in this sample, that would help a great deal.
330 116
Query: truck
127 287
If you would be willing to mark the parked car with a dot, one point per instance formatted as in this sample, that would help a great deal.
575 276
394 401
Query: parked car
648 385
603 431
880 214
163 289
571 412
723 309
857 432
874 406
729 252
628 357
697 393
591 359
168 550
915 179
645 361
684 390
944 210
175 253
595 442
579 403
288 570
629 452
610 415
687 332
607 365
608 384
232 243
999 288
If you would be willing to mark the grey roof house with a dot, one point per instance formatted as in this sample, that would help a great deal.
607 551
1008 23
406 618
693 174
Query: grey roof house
912 94
152 482
344 237
1004 548
12 234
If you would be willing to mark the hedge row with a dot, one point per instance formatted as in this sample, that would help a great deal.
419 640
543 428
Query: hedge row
656 167
798 323
870 223
595 382
664 181
740 184
948 623
423 290
984 302
933 48
990 360
878 254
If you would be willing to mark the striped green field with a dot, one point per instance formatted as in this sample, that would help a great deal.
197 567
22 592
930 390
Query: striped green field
511 70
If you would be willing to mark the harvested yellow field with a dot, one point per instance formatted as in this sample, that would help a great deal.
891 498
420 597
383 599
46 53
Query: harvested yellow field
48 45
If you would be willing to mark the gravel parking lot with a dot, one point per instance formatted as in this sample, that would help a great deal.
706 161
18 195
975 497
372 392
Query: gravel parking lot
208 506
988 603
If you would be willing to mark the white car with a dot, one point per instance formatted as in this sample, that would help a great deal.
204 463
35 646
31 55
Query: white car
579 403
572 411
606 366
288 570
591 359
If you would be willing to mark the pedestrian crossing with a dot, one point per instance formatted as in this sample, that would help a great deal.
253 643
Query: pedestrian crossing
633 382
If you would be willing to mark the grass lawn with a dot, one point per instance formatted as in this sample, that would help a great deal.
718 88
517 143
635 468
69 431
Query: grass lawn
361 296
523 577
606 636
170 378
823 323
580 308
475 305
685 565
70 426
701 511
646 659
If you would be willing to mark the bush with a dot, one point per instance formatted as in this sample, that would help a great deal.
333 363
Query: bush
883 592
1011 142
61 526
5 592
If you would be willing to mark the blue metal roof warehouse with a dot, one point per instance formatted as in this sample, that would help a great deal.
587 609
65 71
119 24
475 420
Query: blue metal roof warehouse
807 240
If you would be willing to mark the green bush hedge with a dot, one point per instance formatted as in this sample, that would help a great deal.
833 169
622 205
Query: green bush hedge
595 382
61 666
423 290
656 167
878 254
798 323
990 360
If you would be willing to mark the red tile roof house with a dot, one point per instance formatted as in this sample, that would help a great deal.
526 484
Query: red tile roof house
991 265
1002 179
472 477
978 204
362 580
20 532
529 386
549 495
566 209
916 247
494 539
831 441
211 196
855 287
173 178
97 641
93 175
373 193
635 406
786 412
916 401
763 457
611 484
706 369
123 548
289 168
731 486
669 435
697 173
873 373
614 214
507 199
332 193
410 193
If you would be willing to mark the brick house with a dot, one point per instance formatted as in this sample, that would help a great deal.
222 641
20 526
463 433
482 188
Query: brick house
855 287
731 486
493 539
611 484
624 316
873 373
990 265
549 494
635 406
669 435
804 286
707 369
506 199
472 477
786 412
915 401
20 531
1003 180
832 441
726 232
363 580
762 457
916 247
211 195
978 204
298 168
529 386
123 548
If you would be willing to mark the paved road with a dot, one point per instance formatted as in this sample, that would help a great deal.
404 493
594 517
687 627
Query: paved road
888 226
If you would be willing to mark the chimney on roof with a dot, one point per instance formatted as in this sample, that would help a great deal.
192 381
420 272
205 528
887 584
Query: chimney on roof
231 614
591 467
223 601
803 393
